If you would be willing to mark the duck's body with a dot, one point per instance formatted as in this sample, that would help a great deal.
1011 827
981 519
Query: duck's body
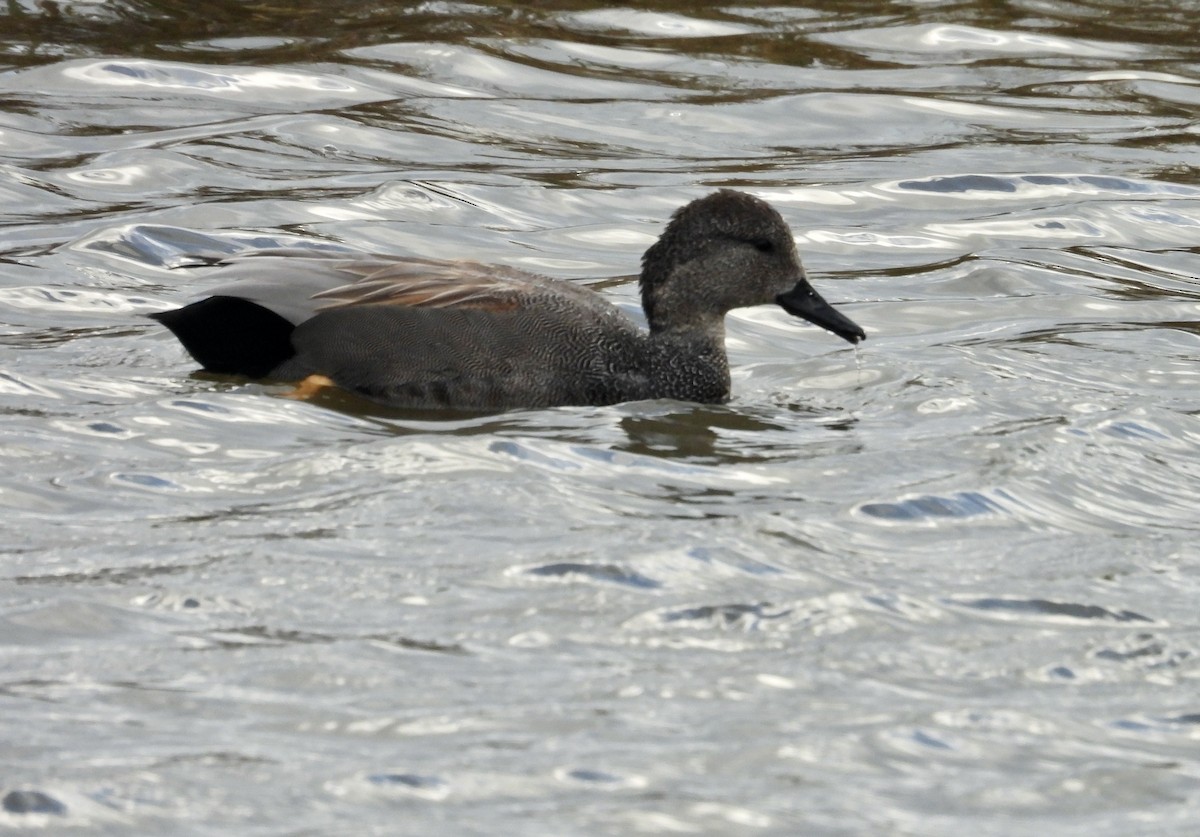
436 334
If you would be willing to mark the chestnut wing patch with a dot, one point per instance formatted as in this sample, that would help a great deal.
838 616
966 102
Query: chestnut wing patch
420 283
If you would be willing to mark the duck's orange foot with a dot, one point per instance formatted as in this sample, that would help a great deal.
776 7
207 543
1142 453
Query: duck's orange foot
310 387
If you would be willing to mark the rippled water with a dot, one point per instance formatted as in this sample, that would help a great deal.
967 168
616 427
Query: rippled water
947 582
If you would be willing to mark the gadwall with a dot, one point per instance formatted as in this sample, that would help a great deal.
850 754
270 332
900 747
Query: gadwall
423 333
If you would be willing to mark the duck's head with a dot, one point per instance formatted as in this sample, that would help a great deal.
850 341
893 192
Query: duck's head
724 251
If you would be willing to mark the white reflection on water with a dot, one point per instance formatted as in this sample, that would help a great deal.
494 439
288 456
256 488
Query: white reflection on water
951 42
655 24
159 74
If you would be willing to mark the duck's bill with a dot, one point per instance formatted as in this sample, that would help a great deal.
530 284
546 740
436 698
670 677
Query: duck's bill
802 301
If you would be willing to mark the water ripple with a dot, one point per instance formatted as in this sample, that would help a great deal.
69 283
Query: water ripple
1039 609
158 75
964 504
962 554
951 42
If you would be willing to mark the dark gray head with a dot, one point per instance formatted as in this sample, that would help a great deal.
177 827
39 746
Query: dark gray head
729 250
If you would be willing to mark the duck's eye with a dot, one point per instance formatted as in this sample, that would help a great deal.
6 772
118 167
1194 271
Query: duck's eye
763 245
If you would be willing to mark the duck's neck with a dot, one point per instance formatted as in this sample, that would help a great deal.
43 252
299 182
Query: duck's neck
690 364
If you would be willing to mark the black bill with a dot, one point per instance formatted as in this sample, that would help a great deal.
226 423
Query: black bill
803 301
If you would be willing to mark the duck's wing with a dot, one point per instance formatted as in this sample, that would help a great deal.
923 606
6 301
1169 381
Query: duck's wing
428 283
460 334
297 285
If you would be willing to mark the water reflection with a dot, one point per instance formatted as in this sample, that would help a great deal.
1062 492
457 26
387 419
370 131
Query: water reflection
691 433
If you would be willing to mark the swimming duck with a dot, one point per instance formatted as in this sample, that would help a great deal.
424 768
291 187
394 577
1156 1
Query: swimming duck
425 333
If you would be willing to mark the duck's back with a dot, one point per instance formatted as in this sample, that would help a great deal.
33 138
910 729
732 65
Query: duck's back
415 332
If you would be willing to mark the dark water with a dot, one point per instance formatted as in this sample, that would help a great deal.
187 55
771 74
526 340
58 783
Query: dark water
945 585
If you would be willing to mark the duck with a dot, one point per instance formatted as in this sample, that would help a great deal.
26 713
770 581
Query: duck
438 334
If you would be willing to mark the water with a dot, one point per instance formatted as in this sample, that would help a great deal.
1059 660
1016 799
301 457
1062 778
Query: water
947 584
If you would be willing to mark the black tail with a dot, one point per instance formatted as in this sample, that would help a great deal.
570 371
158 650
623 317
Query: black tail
231 336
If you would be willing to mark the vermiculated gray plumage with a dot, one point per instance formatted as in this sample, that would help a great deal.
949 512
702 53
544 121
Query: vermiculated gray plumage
434 334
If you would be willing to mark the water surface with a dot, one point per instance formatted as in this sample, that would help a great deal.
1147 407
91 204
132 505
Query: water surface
945 582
